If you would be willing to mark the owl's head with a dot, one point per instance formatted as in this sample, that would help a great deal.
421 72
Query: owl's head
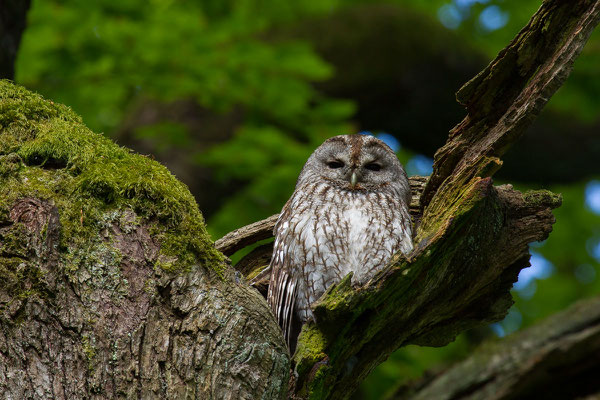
357 163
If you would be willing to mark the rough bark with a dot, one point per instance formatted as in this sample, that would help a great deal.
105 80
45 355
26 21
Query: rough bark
13 18
110 286
558 358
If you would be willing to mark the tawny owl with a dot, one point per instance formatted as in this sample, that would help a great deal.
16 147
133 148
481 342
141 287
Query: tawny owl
349 212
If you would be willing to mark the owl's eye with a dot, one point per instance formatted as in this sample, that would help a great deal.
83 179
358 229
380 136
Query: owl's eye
335 164
373 167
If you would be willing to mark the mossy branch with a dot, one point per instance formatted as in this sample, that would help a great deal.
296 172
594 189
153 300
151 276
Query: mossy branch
456 279
504 98
472 240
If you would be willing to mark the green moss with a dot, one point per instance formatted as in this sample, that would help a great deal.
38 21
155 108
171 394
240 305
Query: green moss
14 242
542 197
20 280
310 348
46 152
4 214
9 165
89 349
340 294
441 211
311 361
319 389
254 273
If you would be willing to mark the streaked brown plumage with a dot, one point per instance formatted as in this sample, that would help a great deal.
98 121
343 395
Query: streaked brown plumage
349 212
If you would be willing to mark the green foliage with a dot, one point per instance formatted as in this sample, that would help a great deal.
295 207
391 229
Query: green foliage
166 135
266 158
579 96
101 57
410 363
105 57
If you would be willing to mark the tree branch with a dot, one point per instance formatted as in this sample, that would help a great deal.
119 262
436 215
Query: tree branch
246 235
456 280
505 98
558 358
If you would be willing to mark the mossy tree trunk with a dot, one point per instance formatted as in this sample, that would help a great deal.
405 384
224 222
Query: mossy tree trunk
112 288
109 284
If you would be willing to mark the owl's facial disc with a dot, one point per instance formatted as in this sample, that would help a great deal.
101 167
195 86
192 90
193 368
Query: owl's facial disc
356 163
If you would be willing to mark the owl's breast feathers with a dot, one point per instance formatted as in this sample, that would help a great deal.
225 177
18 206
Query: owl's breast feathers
323 233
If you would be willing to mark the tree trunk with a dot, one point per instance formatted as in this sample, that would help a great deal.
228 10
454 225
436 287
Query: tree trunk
112 288
13 18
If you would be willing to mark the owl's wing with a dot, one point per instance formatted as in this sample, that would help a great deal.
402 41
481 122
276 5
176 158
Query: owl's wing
283 285
282 299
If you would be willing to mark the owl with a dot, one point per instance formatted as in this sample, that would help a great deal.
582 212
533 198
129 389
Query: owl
348 213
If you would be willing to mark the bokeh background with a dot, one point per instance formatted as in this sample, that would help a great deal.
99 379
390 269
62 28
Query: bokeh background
233 95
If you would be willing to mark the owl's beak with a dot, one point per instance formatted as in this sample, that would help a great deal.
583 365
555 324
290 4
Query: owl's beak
353 180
